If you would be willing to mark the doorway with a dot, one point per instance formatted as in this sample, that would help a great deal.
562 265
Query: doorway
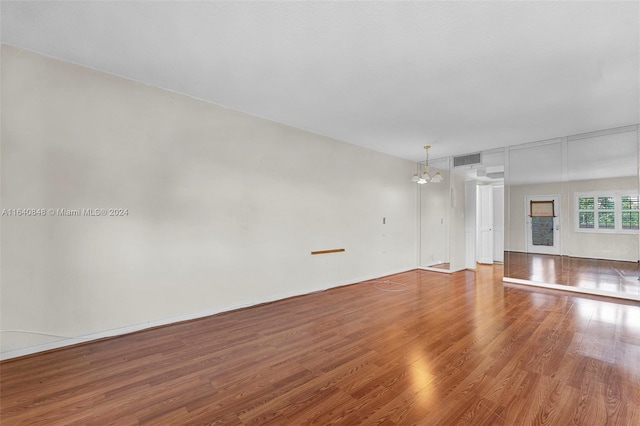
485 215
485 224
542 222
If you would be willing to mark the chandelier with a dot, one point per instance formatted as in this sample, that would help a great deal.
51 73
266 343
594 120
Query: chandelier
425 177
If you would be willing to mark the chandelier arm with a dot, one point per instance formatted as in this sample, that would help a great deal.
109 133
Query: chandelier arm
423 177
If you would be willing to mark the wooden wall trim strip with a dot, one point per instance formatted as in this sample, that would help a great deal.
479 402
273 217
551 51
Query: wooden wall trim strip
327 251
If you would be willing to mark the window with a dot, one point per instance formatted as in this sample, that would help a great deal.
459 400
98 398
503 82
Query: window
630 212
606 213
615 211
586 212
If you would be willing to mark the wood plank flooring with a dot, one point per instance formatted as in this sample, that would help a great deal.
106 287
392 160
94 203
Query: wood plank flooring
449 349
596 274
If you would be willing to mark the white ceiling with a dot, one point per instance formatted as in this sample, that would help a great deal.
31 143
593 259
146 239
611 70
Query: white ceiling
392 76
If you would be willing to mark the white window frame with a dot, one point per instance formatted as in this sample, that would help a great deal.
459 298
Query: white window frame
617 199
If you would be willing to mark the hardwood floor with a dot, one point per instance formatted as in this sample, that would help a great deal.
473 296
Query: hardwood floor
450 349
597 274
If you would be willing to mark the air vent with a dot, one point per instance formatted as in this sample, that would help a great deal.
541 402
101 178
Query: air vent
467 160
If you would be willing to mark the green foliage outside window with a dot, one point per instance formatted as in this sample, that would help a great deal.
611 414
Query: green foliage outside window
586 220
630 214
606 220
630 220
585 203
606 203
629 203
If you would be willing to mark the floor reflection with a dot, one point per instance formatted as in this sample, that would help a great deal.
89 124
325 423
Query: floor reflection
595 274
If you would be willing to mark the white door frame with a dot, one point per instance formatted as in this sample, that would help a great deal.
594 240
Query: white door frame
498 223
485 224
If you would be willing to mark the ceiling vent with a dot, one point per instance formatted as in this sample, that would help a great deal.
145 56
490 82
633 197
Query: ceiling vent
467 160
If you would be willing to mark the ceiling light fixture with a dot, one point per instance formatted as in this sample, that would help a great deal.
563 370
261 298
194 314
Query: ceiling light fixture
424 177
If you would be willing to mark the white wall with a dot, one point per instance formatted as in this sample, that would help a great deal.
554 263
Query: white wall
223 208
470 224
435 218
457 237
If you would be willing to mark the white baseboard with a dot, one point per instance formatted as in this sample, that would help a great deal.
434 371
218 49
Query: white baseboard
442 271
